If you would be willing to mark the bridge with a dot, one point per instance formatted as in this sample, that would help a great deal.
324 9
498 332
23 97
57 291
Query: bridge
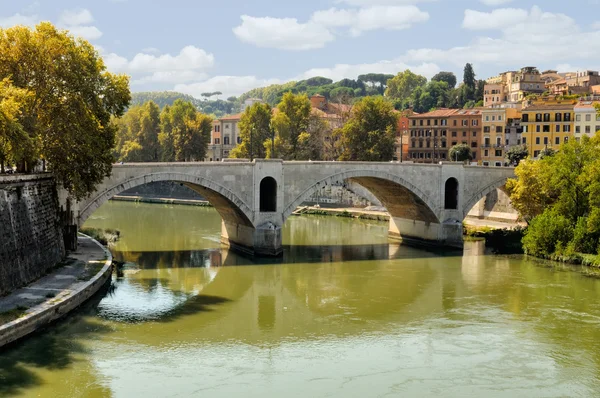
427 202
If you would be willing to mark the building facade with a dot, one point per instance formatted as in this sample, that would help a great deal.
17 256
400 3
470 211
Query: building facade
547 126
466 128
501 131
587 120
428 137
225 136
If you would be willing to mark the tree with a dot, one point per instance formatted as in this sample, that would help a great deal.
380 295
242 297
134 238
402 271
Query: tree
516 153
547 152
255 129
73 98
377 81
13 139
370 134
403 84
185 132
291 120
460 153
469 86
448 77
530 193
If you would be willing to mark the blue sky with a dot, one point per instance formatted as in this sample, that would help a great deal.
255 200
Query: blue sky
235 45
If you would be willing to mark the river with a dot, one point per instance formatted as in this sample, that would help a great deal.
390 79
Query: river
345 313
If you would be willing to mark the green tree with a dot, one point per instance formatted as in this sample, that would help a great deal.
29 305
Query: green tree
547 152
516 153
377 81
165 137
370 134
186 132
255 129
469 78
448 77
403 84
291 120
13 138
460 153
73 99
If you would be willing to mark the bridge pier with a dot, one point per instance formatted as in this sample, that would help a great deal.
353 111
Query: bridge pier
263 241
428 234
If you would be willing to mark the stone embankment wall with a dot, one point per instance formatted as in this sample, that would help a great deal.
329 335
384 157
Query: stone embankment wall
31 239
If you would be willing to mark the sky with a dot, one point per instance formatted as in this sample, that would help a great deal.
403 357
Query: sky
236 45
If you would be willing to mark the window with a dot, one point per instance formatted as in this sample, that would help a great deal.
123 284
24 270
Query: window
567 117
499 129
557 141
537 140
558 117
498 152
443 144
588 129
421 122
538 128
493 118
536 154
545 140
428 122
435 122
578 129
474 155
451 194
226 126
566 128
239 139
578 118
226 140
546 128
268 195
487 118
597 128
525 118
464 133
486 129
454 134
538 117
588 118
473 144
454 143
217 140
500 118
465 122
546 117
486 153
414 123
524 140
475 122
455 122
558 128
474 133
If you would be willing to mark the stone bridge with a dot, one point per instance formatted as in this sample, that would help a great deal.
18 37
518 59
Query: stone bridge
427 202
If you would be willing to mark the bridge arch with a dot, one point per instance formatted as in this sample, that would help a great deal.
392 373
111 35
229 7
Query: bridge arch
231 208
401 198
482 193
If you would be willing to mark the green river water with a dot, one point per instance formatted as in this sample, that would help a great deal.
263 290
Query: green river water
345 313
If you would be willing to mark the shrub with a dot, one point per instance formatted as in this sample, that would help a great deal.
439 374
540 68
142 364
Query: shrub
545 233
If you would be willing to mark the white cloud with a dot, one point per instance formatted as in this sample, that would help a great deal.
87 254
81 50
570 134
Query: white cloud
87 32
189 58
542 38
371 18
228 85
495 3
497 19
76 17
366 3
78 22
151 50
19 19
170 76
596 25
282 33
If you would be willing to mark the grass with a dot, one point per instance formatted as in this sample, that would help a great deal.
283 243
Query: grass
11 315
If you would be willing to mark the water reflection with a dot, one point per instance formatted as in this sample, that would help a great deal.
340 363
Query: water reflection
343 313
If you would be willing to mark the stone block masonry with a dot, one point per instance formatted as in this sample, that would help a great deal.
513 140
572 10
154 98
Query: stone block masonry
31 239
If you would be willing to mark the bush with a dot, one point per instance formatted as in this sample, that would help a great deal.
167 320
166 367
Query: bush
546 233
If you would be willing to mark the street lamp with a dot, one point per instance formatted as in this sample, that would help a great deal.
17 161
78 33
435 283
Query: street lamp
251 155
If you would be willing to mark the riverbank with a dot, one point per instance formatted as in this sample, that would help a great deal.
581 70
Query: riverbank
168 201
65 288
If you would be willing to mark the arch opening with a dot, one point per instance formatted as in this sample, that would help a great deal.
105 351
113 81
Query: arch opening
451 194
228 205
268 195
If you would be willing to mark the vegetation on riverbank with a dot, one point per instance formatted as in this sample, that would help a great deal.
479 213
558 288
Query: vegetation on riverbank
104 236
501 241
559 197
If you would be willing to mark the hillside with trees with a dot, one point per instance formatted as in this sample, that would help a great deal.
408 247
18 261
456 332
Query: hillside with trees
214 107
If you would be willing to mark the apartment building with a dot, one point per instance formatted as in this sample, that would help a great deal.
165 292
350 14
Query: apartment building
501 130
403 136
224 137
466 128
494 94
428 140
527 81
585 79
587 120
547 126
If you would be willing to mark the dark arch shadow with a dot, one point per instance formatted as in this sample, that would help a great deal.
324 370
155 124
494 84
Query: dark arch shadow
401 198
231 208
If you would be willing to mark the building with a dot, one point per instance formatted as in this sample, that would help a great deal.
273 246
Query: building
403 136
465 127
587 120
527 81
249 102
494 94
428 137
547 126
501 131
225 136
585 79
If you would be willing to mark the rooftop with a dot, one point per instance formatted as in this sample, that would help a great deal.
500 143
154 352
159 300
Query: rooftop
444 112
548 107
231 117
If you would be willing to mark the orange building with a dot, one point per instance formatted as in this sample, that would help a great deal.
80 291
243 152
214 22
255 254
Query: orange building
465 127
428 141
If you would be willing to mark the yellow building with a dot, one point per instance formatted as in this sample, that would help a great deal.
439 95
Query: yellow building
547 126
499 134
